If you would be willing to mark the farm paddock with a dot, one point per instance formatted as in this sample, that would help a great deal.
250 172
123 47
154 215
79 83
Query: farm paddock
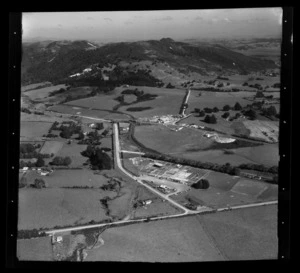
174 240
47 208
37 249
246 234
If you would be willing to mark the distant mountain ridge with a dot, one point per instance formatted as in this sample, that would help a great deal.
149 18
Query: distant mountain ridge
56 60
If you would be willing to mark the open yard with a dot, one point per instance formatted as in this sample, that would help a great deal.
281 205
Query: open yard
174 240
48 208
246 234
38 249
157 208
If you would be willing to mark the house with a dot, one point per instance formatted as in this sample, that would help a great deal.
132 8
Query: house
147 202
25 169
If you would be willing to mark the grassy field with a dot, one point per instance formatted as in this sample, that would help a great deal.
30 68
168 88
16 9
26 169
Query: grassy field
39 249
44 92
167 102
50 147
48 208
73 150
70 178
34 129
214 99
130 167
160 138
157 208
226 190
67 109
174 240
246 234
28 87
105 102
263 129
266 154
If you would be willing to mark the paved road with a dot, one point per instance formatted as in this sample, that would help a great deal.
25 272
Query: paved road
119 165
131 152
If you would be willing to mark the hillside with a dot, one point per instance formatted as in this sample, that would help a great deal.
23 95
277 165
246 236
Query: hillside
57 61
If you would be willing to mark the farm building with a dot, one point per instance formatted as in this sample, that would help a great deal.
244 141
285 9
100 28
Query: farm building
156 164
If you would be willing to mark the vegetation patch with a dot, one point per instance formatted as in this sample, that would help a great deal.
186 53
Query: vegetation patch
138 109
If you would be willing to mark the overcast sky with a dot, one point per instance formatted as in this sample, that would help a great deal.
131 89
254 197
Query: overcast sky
119 26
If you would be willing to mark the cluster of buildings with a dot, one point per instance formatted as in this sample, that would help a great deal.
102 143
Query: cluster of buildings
169 171
167 119
41 171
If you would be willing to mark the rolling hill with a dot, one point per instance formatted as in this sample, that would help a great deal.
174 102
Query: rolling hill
58 60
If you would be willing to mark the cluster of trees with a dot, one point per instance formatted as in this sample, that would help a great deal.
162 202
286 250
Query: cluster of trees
201 184
25 110
39 163
222 78
210 119
250 113
270 111
33 233
39 183
259 168
67 128
256 85
61 161
98 158
56 92
225 115
225 168
112 185
169 85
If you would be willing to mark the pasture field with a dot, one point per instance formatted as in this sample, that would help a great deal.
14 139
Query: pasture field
266 130
73 150
50 147
167 102
67 109
173 240
126 145
246 234
74 178
226 190
121 206
34 85
267 154
214 99
37 249
48 208
34 129
102 102
160 138
43 92
222 125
